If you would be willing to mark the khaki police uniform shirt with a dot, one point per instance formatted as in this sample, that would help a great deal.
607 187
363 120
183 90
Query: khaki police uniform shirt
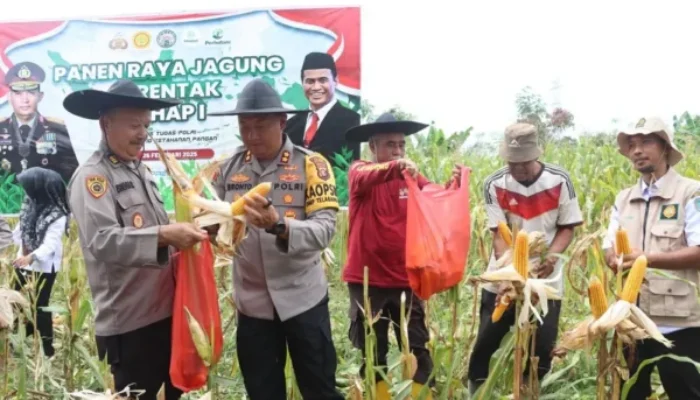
663 217
118 210
270 274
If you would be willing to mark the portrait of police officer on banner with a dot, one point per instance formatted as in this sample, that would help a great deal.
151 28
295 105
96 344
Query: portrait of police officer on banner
28 138
322 129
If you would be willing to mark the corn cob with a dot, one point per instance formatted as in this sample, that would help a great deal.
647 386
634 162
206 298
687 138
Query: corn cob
521 254
500 309
622 242
505 233
262 189
596 297
200 339
634 280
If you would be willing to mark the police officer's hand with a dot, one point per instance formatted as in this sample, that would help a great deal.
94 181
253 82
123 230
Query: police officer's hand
260 212
408 165
181 235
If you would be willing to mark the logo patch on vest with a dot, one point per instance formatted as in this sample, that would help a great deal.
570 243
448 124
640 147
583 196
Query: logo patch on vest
96 185
669 212
137 220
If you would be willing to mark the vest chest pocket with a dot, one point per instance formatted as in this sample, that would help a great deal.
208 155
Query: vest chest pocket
132 209
289 199
669 298
156 192
666 237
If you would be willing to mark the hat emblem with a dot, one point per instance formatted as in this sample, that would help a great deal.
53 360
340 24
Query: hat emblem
24 72
641 123
514 143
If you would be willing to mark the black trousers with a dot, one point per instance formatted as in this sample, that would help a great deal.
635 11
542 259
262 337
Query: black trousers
491 334
140 359
680 379
262 355
43 283
388 302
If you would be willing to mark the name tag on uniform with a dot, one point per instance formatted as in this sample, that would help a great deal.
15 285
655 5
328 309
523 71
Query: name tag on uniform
122 186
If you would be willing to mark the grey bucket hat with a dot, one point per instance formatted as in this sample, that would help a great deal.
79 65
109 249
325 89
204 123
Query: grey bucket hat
520 143
258 97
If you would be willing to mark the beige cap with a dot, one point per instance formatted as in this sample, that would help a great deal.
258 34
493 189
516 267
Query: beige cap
646 126
520 143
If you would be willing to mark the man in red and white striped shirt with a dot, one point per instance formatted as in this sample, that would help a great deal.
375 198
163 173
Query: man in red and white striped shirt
534 196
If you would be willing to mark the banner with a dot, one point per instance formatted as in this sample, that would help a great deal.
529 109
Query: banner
202 59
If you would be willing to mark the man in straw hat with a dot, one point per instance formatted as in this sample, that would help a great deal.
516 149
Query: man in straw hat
377 239
126 239
280 287
661 214
535 197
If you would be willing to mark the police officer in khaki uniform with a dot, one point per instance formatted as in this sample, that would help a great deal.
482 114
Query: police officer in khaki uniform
280 287
127 240
28 138
661 214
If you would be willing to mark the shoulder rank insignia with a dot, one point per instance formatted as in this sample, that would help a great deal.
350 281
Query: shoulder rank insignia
96 185
248 156
285 157
669 211
113 159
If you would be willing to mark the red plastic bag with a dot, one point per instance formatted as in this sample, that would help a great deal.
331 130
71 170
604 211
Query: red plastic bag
438 234
195 288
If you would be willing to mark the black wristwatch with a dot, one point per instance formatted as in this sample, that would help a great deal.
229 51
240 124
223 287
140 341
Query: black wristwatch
278 229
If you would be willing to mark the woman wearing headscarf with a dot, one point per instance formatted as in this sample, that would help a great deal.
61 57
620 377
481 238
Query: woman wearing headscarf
43 220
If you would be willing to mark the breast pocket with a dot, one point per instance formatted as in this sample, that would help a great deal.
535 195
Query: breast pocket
669 298
666 237
132 209
289 199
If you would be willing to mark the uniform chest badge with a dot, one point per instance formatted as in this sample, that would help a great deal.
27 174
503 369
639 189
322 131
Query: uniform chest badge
47 144
669 211
290 214
288 199
240 178
137 220
96 185
289 177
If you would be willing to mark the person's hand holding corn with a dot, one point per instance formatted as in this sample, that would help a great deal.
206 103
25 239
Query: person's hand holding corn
259 211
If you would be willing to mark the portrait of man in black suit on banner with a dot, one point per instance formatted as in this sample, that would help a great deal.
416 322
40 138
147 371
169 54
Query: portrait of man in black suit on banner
323 128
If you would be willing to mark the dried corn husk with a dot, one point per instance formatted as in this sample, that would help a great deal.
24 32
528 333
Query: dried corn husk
200 339
9 297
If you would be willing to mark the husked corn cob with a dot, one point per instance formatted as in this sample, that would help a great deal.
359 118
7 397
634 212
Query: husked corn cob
521 253
200 339
262 189
505 233
622 242
596 297
634 280
500 309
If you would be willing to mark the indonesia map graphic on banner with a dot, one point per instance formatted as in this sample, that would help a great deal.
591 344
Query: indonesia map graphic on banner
203 59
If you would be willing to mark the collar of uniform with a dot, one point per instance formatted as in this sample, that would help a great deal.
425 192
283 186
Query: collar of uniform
283 157
664 186
29 124
323 111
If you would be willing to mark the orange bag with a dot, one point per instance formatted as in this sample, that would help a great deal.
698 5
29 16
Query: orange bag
195 288
438 234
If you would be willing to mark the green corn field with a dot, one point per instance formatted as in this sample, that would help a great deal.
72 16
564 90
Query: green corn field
598 172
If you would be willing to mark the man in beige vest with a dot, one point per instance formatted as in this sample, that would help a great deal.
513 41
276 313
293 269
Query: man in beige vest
127 239
280 287
661 214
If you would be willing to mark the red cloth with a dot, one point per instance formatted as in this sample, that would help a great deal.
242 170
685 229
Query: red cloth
377 238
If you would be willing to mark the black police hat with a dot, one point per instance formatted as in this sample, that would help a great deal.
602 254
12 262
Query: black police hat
318 60
258 97
25 76
385 123
91 103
